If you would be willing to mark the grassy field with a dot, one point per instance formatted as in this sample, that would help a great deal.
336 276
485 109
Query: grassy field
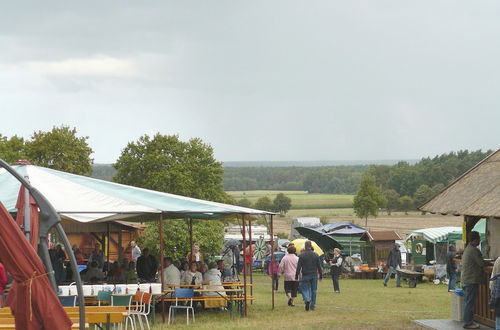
362 304
300 199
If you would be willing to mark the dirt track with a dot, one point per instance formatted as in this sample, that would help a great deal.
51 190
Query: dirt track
400 223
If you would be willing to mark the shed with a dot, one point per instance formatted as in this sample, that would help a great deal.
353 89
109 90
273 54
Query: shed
476 195
379 245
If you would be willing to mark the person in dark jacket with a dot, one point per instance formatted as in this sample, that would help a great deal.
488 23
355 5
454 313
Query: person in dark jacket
393 264
310 266
336 269
472 274
146 266
451 268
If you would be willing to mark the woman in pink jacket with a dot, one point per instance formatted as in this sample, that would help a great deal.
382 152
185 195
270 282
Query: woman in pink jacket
288 267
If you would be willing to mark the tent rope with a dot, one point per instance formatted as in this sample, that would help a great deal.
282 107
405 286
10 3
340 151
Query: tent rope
30 280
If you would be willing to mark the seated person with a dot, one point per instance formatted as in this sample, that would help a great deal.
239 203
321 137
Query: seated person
213 276
93 274
192 276
224 270
171 274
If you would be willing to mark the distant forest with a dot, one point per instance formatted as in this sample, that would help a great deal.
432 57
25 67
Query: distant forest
403 177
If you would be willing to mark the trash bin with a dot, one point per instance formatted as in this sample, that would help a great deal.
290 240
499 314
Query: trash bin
457 305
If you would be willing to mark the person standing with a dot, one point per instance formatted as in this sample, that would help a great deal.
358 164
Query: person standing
336 269
288 267
58 264
135 251
309 266
451 268
146 266
3 284
394 264
195 255
98 256
472 273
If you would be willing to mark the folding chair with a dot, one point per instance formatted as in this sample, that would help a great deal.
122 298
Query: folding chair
144 308
186 295
124 300
67 301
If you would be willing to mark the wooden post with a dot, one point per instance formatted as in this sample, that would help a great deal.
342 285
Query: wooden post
272 260
107 248
161 267
244 266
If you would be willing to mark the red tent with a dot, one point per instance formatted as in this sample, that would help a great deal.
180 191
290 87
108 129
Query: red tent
31 299
33 216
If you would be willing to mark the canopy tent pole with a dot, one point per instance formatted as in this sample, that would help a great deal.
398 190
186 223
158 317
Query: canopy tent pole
272 261
244 266
27 213
251 254
107 248
161 267
190 226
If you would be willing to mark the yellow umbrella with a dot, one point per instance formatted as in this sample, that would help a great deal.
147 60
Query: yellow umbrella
300 242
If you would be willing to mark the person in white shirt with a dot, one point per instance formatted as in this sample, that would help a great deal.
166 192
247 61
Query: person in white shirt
171 274
213 276
135 251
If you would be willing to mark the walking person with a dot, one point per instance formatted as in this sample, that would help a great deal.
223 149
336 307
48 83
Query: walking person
336 269
472 273
394 264
288 267
309 266
451 268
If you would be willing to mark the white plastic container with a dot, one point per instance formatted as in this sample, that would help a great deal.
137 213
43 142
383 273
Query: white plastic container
145 287
96 288
87 290
132 288
156 288
121 288
73 290
63 290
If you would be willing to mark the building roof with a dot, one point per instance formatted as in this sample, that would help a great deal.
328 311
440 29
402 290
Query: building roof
387 235
475 193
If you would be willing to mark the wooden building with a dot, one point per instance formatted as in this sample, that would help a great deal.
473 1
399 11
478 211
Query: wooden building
476 195
379 244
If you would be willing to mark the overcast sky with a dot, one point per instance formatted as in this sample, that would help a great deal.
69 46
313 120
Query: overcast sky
257 80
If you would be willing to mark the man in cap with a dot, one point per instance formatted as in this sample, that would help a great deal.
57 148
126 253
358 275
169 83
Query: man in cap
472 274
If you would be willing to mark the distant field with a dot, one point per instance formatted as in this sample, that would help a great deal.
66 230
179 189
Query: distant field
300 199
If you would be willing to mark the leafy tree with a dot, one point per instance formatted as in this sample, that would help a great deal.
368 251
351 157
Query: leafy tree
244 202
368 198
422 195
12 149
60 149
392 198
282 203
209 234
264 204
406 203
165 163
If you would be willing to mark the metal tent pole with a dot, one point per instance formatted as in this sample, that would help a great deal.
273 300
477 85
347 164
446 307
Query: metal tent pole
251 254
244 267
272 261
190 227
161 268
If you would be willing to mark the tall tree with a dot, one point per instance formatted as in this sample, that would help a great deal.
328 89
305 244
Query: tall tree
282 203
368 199
60 149
392 198
12 149
264 204
406 203
422 195
165 163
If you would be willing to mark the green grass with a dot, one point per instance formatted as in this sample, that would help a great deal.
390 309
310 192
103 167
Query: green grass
300 199
363 304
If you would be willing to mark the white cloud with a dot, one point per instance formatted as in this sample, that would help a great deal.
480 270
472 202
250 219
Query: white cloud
97 66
